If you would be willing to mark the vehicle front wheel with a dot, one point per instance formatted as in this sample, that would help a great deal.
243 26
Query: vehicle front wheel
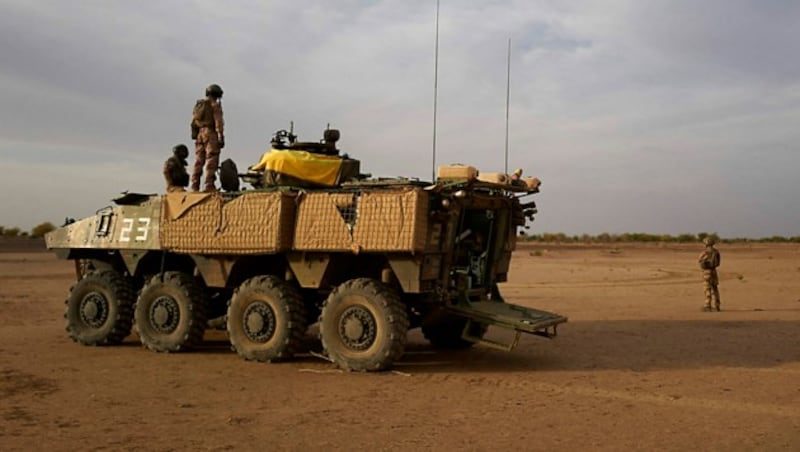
364 325
99 310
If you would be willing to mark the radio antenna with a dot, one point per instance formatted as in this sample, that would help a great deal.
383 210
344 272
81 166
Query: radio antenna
508 97
435 92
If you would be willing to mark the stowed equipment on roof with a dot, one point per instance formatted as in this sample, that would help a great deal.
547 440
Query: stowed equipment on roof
303 164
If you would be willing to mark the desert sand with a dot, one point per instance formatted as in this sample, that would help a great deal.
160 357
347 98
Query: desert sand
638 366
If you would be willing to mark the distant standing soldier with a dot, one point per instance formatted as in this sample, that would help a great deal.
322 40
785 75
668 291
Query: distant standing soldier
709 261
208 131
175 169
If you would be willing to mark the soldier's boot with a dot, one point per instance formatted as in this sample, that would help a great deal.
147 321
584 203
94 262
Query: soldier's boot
717 307
707 308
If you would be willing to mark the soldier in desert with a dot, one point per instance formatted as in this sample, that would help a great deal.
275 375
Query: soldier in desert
208 131
175 169
709 260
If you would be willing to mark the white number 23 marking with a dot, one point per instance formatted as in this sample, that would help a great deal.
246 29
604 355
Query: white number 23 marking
142 226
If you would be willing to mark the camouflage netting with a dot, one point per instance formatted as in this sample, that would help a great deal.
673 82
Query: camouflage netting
205 224
393 220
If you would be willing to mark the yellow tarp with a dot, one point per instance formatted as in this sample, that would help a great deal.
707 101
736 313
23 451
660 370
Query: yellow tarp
318 168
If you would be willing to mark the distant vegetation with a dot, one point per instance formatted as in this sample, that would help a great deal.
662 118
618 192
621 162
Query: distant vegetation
9 232
640 237
559 237
42 229
37 231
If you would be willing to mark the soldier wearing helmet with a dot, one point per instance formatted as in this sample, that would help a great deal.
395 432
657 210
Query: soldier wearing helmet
208 131
175 169
516 177
709 260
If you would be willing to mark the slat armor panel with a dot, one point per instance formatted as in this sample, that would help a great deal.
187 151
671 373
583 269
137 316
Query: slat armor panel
391 220
253 223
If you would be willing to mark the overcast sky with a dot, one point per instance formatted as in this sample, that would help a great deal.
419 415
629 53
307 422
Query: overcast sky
639 116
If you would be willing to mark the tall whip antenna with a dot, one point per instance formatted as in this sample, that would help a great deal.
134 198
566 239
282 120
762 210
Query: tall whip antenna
435 92
508 98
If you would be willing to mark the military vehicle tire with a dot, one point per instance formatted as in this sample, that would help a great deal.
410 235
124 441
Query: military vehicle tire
364 325
445 332
171 313
266 319
99 310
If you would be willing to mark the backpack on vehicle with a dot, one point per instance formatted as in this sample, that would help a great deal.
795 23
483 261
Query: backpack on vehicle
229 175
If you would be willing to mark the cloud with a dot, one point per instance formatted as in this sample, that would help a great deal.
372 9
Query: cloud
638 116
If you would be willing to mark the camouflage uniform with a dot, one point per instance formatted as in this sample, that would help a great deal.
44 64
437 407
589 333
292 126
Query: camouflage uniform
709 260
175 169
210 139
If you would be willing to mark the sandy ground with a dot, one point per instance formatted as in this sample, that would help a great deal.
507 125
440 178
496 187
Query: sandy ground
638 366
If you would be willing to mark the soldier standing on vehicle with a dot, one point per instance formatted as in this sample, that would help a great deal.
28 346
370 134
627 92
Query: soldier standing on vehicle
208 131
709 261
175 169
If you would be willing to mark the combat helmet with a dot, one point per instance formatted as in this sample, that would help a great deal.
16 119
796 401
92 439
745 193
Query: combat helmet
709 241
181 151
214 91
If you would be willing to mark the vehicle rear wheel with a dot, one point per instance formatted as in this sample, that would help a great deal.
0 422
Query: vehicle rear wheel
266 319
99 310
445 331
171 313
364 325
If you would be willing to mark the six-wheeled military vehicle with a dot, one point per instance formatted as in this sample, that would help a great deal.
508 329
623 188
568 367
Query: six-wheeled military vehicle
367 258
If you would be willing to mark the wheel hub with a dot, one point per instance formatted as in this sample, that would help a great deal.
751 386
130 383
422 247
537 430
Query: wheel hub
94 309
164 314
357 328
259 322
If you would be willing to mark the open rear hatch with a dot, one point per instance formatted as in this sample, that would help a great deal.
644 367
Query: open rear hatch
508 316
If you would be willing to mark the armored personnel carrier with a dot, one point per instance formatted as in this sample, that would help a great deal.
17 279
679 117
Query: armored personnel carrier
367 258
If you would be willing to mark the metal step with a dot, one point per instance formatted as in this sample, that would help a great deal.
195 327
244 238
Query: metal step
508 316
